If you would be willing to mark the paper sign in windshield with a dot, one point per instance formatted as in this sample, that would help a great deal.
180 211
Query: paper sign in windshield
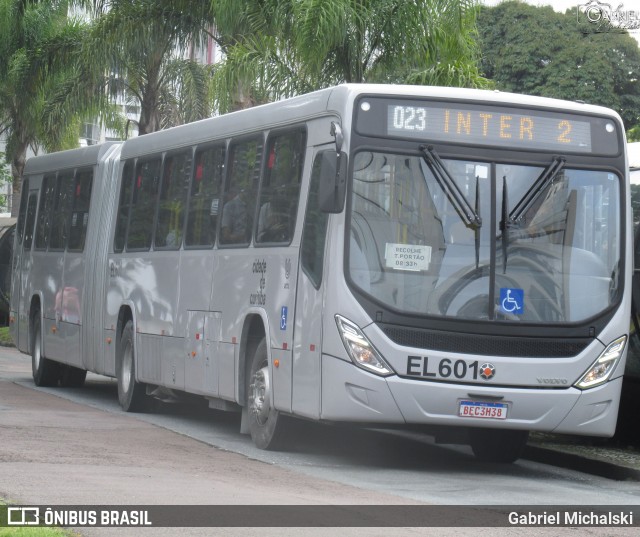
407 256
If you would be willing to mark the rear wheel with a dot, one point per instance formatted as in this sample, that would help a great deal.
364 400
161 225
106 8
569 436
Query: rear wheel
266 424
45 372
131 394
498 445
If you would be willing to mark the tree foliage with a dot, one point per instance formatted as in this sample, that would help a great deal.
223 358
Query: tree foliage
144 45
5 177
40 78
534 50
633 134
280 48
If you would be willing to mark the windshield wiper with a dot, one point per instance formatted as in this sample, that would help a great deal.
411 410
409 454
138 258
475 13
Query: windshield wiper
460 203
504 224
538 187
510 220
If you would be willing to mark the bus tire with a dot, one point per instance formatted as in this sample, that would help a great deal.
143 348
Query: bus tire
266 424
72 377
498 445
131 394
45 372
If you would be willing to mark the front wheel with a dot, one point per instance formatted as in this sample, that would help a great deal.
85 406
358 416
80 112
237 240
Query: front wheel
45 372
131 394
498 445
266 424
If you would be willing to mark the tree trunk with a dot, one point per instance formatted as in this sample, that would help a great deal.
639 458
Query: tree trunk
242 98
149 117
18 161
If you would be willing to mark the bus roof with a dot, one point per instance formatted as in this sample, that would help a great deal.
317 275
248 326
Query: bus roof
269 115
334 100
466 94
72 158
331 101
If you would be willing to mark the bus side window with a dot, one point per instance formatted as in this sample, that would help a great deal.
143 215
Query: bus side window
280 189
143 204
22 214
173 199
31 220
314 231
241 192
60 212
80 210
204 199
43 224
124 207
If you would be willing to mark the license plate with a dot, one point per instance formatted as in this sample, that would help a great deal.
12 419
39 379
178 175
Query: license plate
475 409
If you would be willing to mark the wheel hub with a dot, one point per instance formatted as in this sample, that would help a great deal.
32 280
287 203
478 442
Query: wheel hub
127 359
259 395
36 352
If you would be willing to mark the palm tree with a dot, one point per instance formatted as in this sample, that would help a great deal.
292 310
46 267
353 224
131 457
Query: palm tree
40 81
143 44
280 48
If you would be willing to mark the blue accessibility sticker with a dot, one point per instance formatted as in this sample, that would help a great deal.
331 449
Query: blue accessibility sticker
512 300
283 318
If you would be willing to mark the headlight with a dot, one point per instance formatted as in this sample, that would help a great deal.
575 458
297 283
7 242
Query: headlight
360 350
602 368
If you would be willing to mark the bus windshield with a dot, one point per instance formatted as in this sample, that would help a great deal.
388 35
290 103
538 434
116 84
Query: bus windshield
484 240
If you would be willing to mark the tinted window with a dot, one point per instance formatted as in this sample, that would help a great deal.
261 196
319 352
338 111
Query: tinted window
60 212
145 189
43 226
314 231
80 210
241 192
23 209
173 200
31 219
280 188
123 207
204 199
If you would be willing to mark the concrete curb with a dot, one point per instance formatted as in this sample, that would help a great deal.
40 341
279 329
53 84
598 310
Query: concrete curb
581 463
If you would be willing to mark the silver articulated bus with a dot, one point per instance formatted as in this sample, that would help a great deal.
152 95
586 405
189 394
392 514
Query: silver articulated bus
382 255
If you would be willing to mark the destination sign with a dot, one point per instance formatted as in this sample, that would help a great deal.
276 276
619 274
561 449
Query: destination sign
488 125
494 127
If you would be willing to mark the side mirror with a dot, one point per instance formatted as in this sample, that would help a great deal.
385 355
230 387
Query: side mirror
333 181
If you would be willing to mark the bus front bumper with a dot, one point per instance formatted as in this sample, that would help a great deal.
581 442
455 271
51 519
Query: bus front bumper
351 394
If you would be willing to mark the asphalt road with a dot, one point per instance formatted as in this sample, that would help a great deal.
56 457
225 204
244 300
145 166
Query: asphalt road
75 447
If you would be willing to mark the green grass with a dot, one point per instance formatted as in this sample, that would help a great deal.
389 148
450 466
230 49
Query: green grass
35 532
5 339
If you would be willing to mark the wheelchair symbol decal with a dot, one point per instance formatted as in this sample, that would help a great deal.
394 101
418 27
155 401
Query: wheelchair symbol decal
512 300
283 318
